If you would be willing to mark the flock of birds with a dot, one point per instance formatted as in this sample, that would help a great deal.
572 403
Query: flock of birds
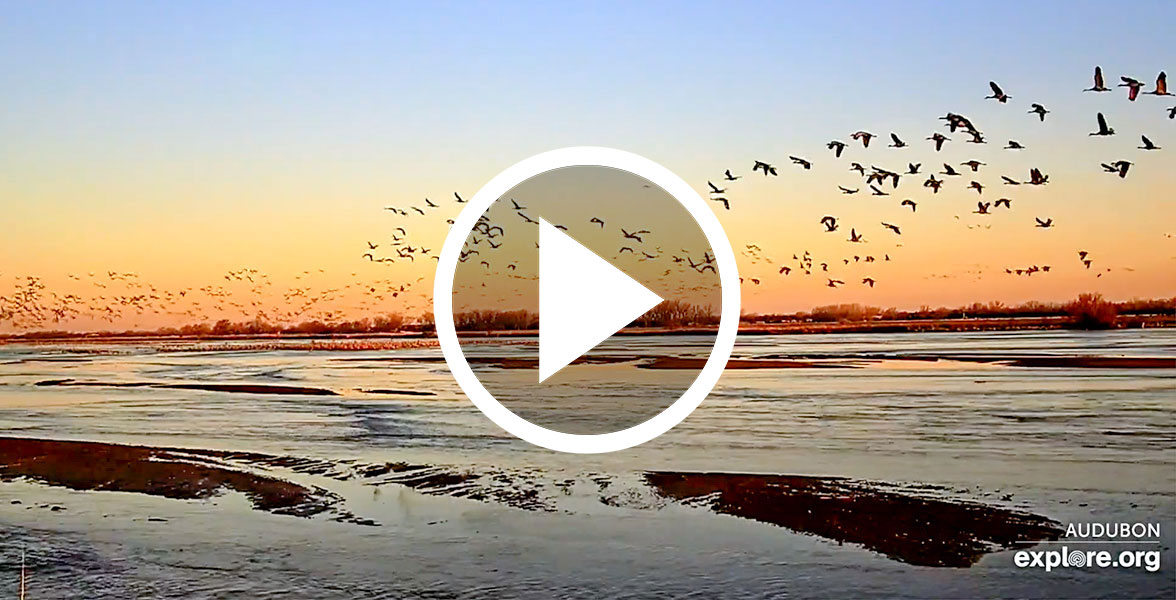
248 293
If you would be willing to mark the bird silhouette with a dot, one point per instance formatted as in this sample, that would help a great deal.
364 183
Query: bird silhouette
1039 110
948 170
874 191
1036 177
460 200
729 177
1133 86
837 147
897 143
1009 180
598 221
863 136
802 162
1172 113
767 168
855 237
939 138
982 208
933 183
714 189
1098 82
1007 202
868 281
893 228
1161 86
997 94
910 203
1119 166
1147 144
973 164
1102 127
913 168
830 223
845 190
1044 224
976 185
726 203
833 283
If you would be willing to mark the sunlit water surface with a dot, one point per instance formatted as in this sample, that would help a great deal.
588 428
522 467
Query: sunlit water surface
1077 445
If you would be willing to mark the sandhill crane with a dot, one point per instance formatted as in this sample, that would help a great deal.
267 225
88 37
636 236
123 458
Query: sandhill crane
1161 86
1098 82
1102 127
997 93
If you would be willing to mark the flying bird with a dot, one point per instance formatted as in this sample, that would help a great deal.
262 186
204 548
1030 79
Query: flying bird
913 168
997 93
982 208
598 221
1039 110
897 142
877 192
855 237
1014 145
973 164
933 183
1133 86
976 185
910 203
1009 180
802 162
868 281
726 203
1102 127
1008 203
1161 85
1119 166
767 168
845 190
1098 82
830 223
836 146
1043 224
893 228
1148 145
864 136
939 138
1036 177
714 189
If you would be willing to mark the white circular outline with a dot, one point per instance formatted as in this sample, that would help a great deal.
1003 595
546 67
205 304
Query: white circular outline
728 316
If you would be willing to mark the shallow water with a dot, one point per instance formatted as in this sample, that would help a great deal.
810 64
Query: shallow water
1077 445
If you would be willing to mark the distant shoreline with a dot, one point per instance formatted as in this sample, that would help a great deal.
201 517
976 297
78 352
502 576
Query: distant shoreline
746 329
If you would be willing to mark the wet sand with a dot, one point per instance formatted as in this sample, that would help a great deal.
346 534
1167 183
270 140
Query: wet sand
170 473
920 525
912 528
239 388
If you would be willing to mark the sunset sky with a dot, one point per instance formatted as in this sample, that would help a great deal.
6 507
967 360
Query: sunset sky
184 141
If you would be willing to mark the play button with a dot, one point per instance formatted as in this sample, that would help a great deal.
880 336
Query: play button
586 300
574 283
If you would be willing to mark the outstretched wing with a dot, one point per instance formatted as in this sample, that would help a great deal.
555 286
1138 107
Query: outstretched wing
995 88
